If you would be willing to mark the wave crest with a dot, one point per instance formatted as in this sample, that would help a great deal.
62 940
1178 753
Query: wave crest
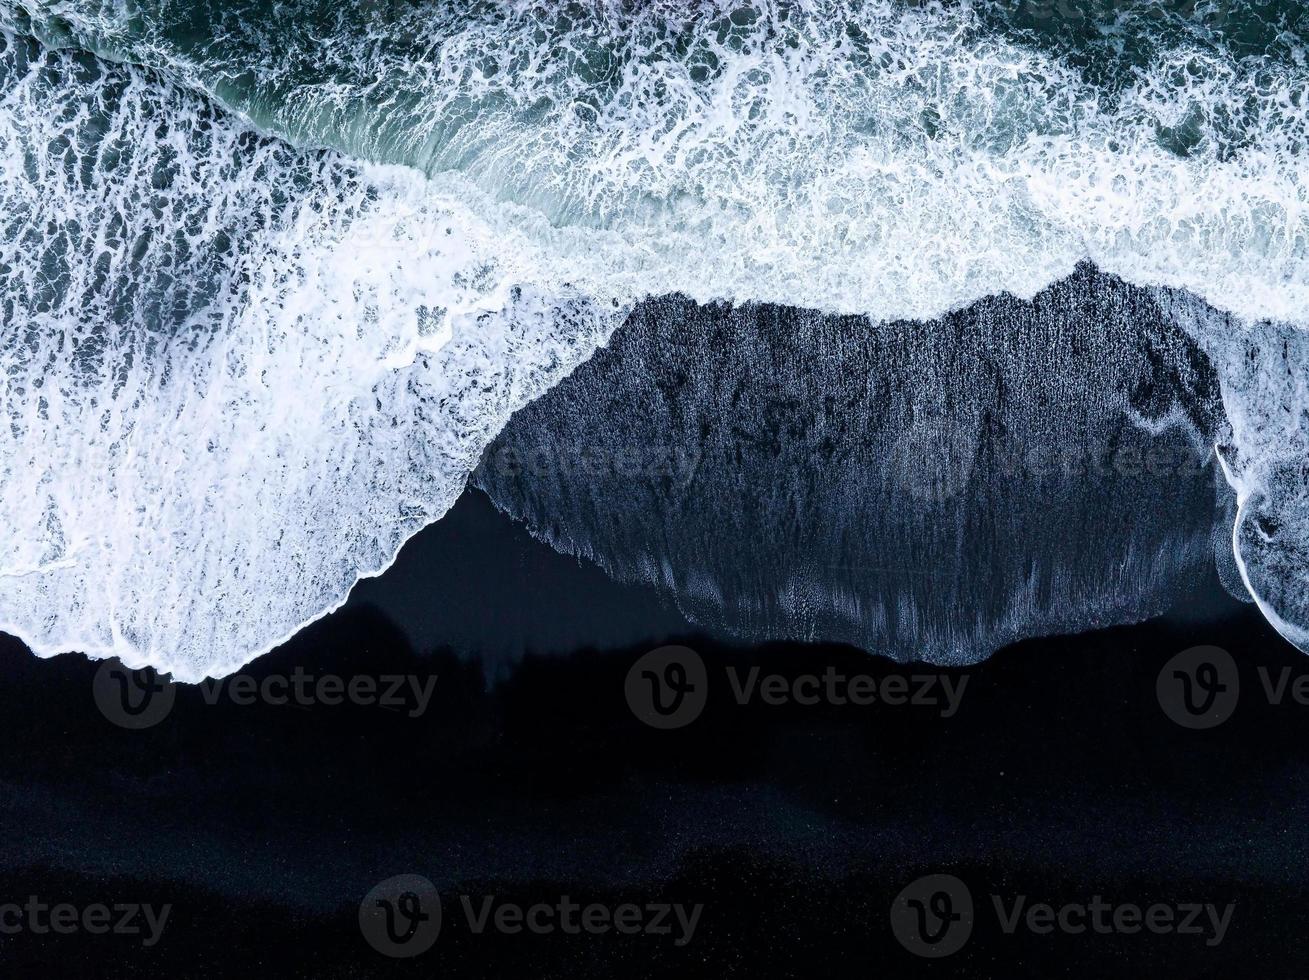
895 159
239 373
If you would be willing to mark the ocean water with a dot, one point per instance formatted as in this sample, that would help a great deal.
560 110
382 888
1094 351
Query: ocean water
274 276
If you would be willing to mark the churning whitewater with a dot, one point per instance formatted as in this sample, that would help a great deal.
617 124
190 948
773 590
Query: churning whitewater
273 276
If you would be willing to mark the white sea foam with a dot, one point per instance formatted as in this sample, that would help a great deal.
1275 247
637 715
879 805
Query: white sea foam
892 158
237 375
1264 371
234 378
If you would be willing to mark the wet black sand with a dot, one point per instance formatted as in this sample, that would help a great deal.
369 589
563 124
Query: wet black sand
1059 777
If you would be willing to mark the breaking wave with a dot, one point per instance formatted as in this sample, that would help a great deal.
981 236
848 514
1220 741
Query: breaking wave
274 275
